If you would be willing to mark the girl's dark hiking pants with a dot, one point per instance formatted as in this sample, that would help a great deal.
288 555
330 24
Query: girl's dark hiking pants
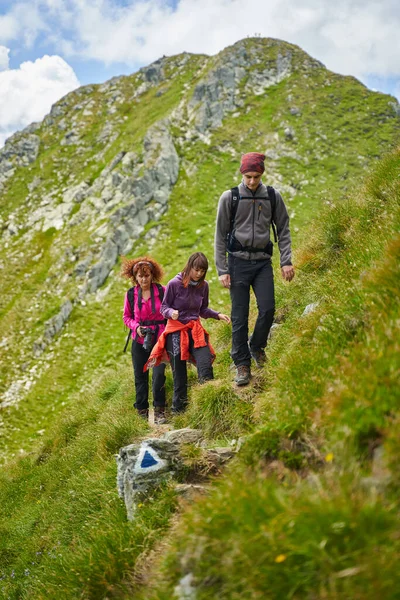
205 372
139 359
257 274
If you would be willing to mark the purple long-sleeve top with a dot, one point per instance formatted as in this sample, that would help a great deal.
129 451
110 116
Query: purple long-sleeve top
190 301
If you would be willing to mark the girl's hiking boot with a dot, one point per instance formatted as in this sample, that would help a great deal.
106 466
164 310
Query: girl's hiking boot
242 375
160 417
258 356
143 413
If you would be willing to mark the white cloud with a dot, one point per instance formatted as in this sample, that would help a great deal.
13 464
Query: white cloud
349 36
4 60
24 22
27 93
8 28
357 37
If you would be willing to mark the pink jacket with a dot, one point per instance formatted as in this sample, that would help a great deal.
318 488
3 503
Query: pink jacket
145 314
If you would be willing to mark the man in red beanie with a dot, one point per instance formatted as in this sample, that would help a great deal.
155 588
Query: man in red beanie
245 215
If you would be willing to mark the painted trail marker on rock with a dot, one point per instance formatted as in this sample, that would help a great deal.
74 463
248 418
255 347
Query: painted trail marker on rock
143 466
148 460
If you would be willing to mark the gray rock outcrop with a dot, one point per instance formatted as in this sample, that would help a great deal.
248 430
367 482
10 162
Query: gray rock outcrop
99 272
20 150
184 436
132 194
310 308
52 327
144 465
185 589
396 107
219 92
133 190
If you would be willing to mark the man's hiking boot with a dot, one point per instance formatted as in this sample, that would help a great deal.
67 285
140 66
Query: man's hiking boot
143 413
242 375
258 356
180 408
160 417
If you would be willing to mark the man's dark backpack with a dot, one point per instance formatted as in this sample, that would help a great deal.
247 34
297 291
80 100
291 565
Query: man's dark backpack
131 300
232 243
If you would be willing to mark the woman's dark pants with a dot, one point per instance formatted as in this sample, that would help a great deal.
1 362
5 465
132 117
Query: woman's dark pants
244 274
205 372
139 359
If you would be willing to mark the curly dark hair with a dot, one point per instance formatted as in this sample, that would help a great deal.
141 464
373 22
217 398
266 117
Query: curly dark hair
198 261
141 266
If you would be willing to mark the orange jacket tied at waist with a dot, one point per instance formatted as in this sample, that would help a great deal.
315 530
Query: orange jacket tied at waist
200 338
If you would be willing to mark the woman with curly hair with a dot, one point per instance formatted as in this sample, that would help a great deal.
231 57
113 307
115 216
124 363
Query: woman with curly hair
143 317
185 301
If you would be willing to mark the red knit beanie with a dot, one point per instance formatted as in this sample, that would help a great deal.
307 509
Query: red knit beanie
252 161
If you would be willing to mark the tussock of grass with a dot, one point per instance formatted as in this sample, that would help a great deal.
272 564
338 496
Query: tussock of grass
218 411
281 444
197 464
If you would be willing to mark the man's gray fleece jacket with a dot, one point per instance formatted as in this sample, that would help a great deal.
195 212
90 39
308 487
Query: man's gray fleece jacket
252 226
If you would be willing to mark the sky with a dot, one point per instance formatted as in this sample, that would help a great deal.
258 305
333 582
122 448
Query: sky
50 47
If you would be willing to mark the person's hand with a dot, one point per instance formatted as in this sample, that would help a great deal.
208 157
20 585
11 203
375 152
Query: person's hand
287 272
223 317
225 280
175 315
139 331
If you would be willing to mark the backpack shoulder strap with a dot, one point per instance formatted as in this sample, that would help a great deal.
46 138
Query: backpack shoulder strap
160 291
234 207
161 296
272 199
131 300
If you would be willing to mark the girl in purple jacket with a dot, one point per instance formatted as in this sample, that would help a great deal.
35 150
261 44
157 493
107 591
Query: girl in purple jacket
186 300
142 313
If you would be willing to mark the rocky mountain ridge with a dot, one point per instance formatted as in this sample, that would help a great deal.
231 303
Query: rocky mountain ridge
85 185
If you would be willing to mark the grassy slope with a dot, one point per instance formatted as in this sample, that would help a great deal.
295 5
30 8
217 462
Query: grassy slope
73 373
311 523
64 529
304 512
94 332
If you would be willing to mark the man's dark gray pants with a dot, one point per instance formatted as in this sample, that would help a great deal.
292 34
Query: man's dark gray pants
257 274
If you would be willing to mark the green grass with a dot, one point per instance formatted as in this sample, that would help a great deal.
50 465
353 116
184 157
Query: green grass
253 538
297 516
307 511
62 502
218 411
